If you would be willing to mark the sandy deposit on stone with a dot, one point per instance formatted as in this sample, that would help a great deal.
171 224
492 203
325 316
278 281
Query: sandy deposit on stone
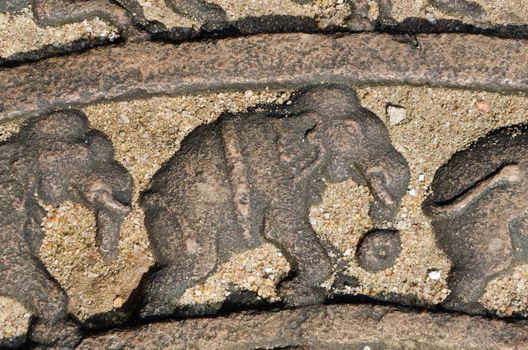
71 256
20 33
14 320
9 128
157 10
145 133
496 12
325 12
259 270
438 123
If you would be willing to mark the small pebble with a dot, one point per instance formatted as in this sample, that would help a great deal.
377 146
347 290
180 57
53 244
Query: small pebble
118 302
434 275
396 114
482 106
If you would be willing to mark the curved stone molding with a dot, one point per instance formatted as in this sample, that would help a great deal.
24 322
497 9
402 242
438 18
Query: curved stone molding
324 327
464 61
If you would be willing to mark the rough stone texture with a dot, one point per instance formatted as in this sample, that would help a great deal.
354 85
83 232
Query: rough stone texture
54 159
58 12
465 61
145 134
20 34
325 327
439 123
481 13
214 198
14 323
478 205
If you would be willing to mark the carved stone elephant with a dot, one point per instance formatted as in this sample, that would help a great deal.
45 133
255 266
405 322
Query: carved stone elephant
54 158
479 207
252 177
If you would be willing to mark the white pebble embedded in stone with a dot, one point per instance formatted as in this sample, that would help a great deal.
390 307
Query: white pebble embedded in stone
434 275
396 114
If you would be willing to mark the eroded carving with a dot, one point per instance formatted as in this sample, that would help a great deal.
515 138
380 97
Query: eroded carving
54 158
57 12
479 210
252 177
124 14
379 249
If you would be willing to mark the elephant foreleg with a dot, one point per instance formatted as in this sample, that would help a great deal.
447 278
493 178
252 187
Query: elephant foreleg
302 247
27 281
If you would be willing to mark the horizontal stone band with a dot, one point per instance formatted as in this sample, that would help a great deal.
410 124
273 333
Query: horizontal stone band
273 60
324 327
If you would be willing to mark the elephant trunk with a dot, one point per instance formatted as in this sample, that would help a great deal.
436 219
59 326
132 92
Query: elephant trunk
109 215
388 178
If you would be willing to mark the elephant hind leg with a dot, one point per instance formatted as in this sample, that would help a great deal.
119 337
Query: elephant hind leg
163 289
466 290
27 281
185 254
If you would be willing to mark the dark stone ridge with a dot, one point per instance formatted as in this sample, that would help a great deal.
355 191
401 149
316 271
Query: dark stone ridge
13 6
323 327
379 249
478 207
252 177
56 158
272 60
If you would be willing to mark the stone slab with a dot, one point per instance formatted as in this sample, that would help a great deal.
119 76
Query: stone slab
325 327
454 60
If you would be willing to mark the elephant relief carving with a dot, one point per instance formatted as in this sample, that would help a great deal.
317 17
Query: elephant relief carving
251 178
54 158
121 13
479 210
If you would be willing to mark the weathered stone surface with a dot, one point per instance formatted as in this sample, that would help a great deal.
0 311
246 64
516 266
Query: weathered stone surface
252 177
479 214
325 327
57 12
54 159
14 323
464 61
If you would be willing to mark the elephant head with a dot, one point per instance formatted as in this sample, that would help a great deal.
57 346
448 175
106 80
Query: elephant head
478 211
354 143
67 160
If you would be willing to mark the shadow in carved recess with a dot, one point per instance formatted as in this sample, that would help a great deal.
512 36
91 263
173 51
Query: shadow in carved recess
252 177
54 158
479 210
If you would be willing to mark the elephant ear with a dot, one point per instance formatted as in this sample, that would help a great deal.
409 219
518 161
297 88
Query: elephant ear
296 151
482 158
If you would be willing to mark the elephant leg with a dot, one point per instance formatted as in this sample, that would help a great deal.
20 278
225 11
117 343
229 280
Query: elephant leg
466 291
310 263
185 253
26 280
